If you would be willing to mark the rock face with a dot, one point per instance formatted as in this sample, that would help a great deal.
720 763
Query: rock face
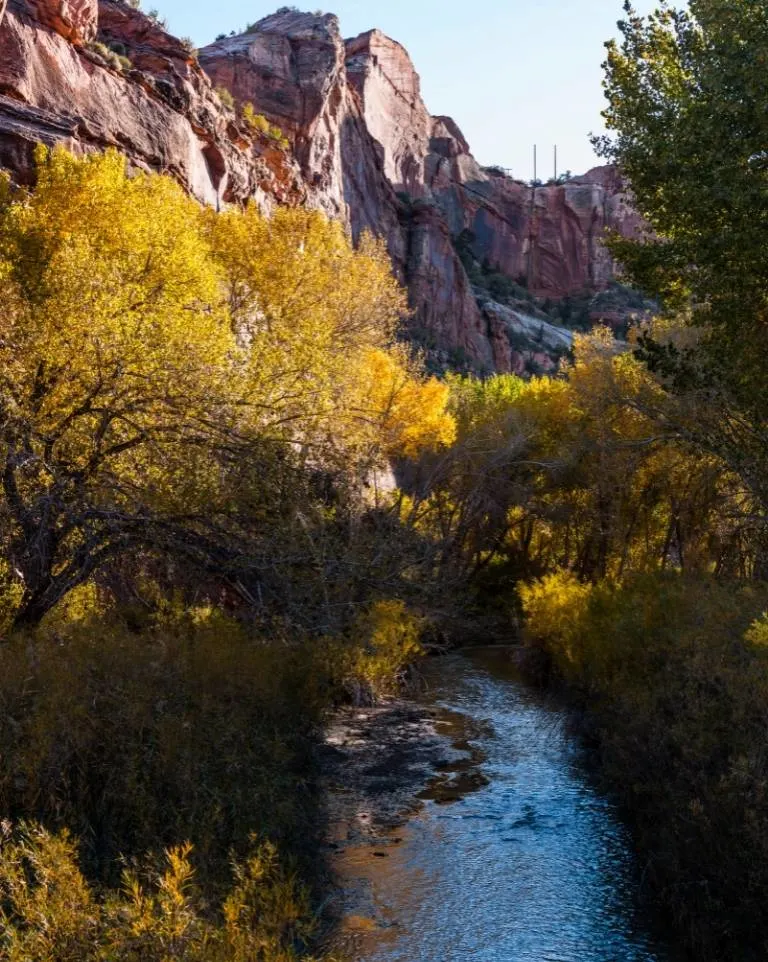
293 68
76 20
547 237
390 94
363 148
550 239
160 109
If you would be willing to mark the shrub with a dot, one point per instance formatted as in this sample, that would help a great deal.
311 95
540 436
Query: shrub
225 97
555 607
380 643
145 731
677 702
257 122
49 912
154 16
113 58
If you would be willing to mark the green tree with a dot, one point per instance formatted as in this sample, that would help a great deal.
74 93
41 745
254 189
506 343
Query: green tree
686 94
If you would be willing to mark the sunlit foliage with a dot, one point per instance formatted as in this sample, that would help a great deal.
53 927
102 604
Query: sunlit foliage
49 912
687 125
159 360
594 473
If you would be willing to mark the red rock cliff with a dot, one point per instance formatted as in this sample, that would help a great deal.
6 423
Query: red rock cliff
363 147
294 69
548 237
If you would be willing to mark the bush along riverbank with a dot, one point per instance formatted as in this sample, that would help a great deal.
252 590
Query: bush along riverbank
672 676
160 787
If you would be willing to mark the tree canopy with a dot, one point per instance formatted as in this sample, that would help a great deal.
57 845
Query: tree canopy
153 353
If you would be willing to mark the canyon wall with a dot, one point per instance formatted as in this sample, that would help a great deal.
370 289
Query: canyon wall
357 142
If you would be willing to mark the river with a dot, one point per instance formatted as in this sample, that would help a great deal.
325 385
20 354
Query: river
510 855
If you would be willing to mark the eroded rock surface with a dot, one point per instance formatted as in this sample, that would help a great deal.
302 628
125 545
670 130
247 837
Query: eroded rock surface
298 73
76 20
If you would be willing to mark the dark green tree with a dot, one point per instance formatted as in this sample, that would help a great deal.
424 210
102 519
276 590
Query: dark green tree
687 117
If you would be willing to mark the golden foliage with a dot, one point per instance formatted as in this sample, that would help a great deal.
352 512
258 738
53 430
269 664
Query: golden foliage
555 607
151 349
592 473
49 913
408 411
380 643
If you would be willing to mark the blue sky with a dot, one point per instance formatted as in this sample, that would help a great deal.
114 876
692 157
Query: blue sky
511 73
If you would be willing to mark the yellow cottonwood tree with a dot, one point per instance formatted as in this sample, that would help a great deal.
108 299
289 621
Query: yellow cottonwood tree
117 366
160 365
319 319
408 412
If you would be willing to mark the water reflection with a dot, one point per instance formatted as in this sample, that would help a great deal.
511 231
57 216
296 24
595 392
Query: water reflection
519 860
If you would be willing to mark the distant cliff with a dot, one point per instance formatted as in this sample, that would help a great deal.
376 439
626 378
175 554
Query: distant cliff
356 140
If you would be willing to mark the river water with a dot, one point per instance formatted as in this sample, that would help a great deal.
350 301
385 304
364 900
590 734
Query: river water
513 855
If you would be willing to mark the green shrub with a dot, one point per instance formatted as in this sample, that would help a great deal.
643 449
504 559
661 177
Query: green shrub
113 58
154 16
225 97
257 122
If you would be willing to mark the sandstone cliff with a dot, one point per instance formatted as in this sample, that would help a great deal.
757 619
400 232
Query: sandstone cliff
548 237
362 146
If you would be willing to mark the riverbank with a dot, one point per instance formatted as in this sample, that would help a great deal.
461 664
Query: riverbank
672 683
379 765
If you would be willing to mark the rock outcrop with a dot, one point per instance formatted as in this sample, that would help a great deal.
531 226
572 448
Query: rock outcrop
548 238
92 74
291 68
395 114
138 90
76 20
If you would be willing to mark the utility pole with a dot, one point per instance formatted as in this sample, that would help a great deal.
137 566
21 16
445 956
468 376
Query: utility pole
535 163
555 163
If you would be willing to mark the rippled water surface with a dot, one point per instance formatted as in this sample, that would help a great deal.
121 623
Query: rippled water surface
532 866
